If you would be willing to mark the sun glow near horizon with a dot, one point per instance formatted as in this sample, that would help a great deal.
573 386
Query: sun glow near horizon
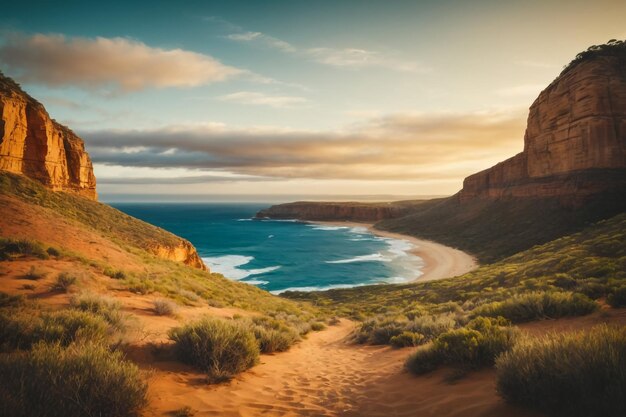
357 98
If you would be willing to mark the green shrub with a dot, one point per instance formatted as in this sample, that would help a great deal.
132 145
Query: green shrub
272 335
21 330
538 305
218 347
431 326
81 380
617 298
105 307
271 340
573 374
473 346
8 300
405 339
11 248
114 273
425 359
53 252
163 307
35 273
317 326
64 282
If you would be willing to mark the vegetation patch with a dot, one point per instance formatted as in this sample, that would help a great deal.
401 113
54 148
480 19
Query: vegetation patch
77 381
538 305
473 346
14 248
572 374
221 348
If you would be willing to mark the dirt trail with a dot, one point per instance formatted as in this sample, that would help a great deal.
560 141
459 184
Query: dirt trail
326 376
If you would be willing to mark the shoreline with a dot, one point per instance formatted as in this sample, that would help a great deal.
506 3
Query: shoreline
440 261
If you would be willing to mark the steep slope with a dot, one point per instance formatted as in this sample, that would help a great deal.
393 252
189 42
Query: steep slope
33 144
18 191
577 124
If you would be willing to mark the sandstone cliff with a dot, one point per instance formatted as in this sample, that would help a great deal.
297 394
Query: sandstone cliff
571 173
328 211
575 141
33 144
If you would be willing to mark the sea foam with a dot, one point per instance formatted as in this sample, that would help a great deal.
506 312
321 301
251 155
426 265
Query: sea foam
228 265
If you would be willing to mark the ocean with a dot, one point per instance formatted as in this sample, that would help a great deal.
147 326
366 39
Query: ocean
281 255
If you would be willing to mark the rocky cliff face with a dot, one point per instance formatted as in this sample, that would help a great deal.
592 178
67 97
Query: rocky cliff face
33 144
575 141
184 252
322 211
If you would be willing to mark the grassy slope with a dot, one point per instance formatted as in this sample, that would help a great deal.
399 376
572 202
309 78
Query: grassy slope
591 262
492 230
143 273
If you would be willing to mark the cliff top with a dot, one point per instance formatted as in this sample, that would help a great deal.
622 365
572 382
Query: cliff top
612 48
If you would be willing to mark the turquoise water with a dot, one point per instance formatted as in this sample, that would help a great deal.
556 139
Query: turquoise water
281 255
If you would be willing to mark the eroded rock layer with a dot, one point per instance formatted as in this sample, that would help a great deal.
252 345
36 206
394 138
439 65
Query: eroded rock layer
33 144
576 133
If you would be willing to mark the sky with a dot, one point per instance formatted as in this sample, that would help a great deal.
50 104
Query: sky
277 99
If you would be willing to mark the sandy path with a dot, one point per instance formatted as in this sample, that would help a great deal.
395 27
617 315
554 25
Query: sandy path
440 261
325 376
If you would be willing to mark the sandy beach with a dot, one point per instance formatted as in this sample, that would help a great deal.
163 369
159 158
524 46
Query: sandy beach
440 261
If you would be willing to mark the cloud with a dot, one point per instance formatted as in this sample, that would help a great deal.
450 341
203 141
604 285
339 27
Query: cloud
336 57
408 146
119 64
262 38
256 98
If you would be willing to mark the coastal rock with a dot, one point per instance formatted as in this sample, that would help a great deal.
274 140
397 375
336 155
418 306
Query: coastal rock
575 141
184 252
323 211
33 144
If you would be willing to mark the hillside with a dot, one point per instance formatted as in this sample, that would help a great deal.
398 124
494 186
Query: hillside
571 173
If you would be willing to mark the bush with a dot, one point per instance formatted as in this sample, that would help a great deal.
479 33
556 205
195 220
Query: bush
617 298
35 273
53 252
64 282
105 307
425 359
114 273
81 380
272 335
11 248
431 326
317 326
405 339
572 374
163 307
218 347
21 330
538 305
473 346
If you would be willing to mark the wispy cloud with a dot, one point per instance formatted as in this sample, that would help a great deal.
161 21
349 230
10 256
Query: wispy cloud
117 64
336 57
261 99
262 38
400 146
